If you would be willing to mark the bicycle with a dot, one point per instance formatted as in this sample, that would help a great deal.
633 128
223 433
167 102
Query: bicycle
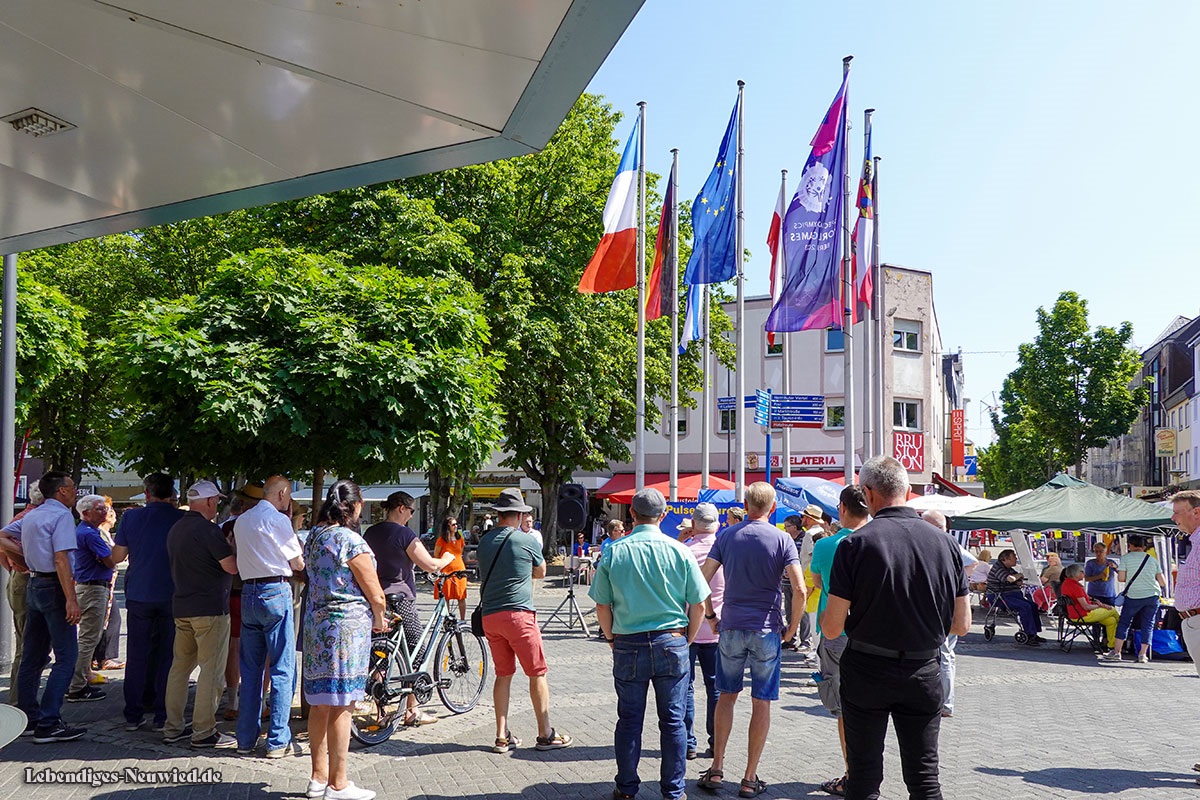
454 661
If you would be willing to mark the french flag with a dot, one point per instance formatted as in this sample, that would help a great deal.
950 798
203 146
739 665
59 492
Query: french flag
774 245
614 264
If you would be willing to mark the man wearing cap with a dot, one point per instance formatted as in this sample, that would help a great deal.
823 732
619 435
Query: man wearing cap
508 563
813 523
755 556
202 567
650 595
93 576
267 554
705 523
142 536
889 669
47 542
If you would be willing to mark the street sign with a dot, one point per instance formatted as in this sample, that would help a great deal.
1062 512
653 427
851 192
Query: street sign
798 398
727 403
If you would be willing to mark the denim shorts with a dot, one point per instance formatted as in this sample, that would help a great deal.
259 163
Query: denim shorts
755 649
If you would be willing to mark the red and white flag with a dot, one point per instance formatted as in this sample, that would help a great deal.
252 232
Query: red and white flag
775 246
614 264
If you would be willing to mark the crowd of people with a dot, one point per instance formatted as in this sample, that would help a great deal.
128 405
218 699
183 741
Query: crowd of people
199 594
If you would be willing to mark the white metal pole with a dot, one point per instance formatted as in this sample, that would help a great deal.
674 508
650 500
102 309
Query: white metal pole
8 433
639 458
865 262
740 344
673 270
847 295
787 337
881 346
705 388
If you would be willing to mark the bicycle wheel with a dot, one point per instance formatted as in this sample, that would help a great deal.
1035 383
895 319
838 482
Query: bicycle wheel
460 669
373 719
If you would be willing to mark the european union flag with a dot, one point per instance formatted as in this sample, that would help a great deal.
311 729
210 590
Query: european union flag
714 218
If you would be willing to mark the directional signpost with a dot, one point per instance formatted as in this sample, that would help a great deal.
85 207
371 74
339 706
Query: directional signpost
797 411
762 416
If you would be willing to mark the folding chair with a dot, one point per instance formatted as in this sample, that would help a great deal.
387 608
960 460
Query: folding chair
1071 629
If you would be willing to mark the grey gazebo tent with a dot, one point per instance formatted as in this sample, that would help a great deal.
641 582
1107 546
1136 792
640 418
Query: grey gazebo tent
1065 503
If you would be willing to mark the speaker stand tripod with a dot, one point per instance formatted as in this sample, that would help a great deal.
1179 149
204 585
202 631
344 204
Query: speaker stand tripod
568 609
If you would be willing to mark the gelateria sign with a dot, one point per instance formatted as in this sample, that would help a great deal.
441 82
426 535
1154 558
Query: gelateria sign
809 461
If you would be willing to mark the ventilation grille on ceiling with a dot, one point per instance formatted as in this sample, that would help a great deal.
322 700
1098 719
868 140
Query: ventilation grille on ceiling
36 123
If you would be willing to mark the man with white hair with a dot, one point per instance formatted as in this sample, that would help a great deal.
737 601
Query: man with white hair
755 556
889 669
93 575
949 658
202 567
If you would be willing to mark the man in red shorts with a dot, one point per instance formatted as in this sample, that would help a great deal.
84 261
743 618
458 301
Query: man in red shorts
508 564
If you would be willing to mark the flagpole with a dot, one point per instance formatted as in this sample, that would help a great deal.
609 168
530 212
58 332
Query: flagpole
674 327
639 458
869 374
739 399
787 337
877 291
847 296
705 406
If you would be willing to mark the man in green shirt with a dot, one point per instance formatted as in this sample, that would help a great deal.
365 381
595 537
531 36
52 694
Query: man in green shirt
650 601
509 560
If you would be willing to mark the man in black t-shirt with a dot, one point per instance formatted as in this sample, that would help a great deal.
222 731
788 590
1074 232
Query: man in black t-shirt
897 588
202 567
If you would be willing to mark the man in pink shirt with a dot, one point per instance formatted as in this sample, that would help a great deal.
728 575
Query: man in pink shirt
705 523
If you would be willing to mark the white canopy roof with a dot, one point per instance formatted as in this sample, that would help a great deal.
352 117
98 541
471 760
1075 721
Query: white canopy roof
181 109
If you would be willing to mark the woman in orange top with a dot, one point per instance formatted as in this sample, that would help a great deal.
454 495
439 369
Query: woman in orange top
451 541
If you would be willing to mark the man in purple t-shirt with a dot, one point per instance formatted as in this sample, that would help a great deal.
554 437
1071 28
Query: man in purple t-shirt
756 556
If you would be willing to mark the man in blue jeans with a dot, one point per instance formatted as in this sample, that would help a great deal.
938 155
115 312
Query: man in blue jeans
267 553
142 536
756 556
52 610
649 595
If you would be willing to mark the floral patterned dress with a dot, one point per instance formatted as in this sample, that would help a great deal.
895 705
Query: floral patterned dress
337 619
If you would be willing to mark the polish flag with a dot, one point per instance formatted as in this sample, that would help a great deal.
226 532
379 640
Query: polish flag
775 246
614 264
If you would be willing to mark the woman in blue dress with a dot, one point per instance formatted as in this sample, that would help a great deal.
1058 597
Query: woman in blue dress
345 604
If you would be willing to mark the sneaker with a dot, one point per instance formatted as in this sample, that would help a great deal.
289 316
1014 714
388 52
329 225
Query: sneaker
506 745
1111 657
315 789
1143 659
133 726
350 792
186 733
245 751
31 728
1033 641
85 695
285 751
216 740
690 755
158 725
59 732
555 741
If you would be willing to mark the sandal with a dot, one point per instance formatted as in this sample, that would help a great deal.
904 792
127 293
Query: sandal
506 744
418 719
836 786
710 779
113 664
553 741
752 788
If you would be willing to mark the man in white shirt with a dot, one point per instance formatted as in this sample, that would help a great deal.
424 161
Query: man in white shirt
949 667
267 553
527 527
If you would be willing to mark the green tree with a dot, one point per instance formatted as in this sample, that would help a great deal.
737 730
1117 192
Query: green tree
1075 380
1022 457
300 363
50 342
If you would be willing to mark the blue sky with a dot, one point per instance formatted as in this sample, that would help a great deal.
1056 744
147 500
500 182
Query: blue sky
1027 148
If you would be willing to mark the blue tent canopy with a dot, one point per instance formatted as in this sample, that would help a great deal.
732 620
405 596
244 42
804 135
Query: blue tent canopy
796 493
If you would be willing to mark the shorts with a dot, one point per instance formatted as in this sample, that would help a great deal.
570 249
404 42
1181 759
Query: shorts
758 650
513 636
829 688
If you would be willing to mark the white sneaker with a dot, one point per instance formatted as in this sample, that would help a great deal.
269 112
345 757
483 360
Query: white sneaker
315 789
351 792
1143 659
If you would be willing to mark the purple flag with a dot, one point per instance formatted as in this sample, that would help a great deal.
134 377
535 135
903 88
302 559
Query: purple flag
812 230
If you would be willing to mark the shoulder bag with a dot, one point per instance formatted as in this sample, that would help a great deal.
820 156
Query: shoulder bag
1138 571
477 614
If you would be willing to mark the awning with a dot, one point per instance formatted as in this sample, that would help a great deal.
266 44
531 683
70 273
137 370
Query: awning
689 486
488 492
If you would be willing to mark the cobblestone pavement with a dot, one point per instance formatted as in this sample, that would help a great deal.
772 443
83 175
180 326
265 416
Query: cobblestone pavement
1024 727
